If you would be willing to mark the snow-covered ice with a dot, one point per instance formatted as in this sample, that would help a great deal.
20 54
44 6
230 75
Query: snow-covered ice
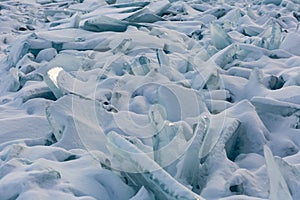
149 99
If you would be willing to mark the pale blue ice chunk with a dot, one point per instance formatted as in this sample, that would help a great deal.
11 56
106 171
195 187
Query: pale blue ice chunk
291 43
79 122
46 55
19 48
141 65
144 16
171 142
267 104
61 83
104 23
143 194
291 174
276 2
189 166
34 89
278 187
221 129
173 98
275 39
220 39
150 175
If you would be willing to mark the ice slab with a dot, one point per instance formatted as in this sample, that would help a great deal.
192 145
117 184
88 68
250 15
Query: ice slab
290 43
75 123
278 186
104 23
219 37
151 175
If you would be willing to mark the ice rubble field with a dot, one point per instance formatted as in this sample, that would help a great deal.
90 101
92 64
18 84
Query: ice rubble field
144 100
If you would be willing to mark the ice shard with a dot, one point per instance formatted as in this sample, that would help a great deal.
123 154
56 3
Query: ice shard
226 55
104 23
219 135
265 104
141 66
275 2
278 187
291 43
275 39
19 49
78 122
143 194
188 169
291 174
173 98
144 16
61 83
171 142
145 172
13 80
51 79
46 55
219 37
38 90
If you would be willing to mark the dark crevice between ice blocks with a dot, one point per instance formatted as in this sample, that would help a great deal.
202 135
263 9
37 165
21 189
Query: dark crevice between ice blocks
50 140
14 197
237 189
275 82
71 157
46 95
232 146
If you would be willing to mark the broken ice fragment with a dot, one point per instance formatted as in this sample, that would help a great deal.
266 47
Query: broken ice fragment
14 83
275 39
122 46
61 83
158 7
70 62
39 90
143 194
266 104
143 171
141 66
291 174
19 49
166 69
77 122
162 58
46 55
104 23
221 130
178 107
171 142
219 37
291 43
157 115
278 187
144 16
51 79
276 2
190 163
226 55
205 75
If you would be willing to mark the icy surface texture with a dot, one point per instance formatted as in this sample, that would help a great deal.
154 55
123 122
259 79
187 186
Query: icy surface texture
145 100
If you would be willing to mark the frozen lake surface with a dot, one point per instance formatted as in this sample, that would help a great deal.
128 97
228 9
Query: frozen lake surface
149 99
